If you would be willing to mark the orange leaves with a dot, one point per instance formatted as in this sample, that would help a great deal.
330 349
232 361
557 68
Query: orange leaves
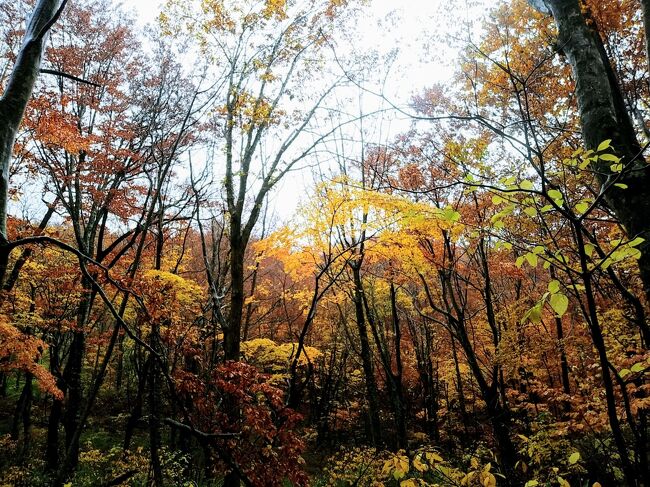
19 351
411 177
170 297
60 132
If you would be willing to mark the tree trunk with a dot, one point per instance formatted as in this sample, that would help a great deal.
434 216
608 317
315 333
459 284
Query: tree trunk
17 93
23 412
52 449
564 363
232 334
366 358
399 402
136 413
603 116
72 377
599 343
154 420
499 417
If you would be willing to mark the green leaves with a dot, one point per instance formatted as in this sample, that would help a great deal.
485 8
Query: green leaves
556 196
638 367
559 303
604 145
450 215
534 314
621 251
532 259
609 158
497 200
574 458
616 165
557 300
526 185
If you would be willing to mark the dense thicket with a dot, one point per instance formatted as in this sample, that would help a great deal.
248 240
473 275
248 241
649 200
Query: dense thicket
462 302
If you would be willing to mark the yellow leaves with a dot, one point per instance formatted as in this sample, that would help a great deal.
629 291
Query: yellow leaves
249 110
275 8
423 461
356 466
217 16
479 476
397 466
268 354
186 292
169 297
432 457
419 465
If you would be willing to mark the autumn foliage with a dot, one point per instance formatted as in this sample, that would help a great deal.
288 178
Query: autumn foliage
461 302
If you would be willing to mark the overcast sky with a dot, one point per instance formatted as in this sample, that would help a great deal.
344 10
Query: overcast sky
419 28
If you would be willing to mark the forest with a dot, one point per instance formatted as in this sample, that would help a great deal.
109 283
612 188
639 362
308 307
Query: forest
233 252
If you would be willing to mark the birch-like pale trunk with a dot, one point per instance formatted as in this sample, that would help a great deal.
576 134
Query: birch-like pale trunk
15 97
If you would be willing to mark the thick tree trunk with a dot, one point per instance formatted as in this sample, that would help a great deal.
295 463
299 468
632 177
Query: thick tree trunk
232 334
603 116
72 377
14 100
54 420
52 449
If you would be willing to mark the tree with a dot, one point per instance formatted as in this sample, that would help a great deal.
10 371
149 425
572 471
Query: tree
605 116
261 56
15 97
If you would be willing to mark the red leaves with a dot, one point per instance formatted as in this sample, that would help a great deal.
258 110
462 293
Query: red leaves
238 399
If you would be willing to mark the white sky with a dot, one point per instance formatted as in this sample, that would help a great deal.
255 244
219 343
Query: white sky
420 28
